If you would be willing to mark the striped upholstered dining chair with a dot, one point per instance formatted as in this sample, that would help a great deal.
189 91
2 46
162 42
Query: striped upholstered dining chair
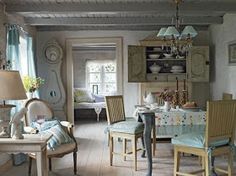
217 140
119 127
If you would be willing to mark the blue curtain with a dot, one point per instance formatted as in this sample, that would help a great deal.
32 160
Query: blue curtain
31 62
13 41
13 55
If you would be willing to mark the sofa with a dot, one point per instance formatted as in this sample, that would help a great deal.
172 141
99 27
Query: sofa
85 103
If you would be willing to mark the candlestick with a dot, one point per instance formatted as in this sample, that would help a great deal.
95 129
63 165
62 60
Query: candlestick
177 84
184 85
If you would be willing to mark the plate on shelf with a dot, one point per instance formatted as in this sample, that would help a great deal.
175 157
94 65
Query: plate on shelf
192 109
177 71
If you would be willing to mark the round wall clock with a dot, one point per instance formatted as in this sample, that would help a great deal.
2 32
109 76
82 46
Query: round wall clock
53 52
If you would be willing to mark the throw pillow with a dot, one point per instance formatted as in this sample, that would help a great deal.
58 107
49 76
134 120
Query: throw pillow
82 95
53 127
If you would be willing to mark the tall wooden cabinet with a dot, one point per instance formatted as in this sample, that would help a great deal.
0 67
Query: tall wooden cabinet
195 64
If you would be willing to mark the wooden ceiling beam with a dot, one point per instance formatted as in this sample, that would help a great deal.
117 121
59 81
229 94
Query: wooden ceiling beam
121 21
116 7
120 27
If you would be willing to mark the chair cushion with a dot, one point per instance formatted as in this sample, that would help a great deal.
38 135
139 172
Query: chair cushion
130 127
196 140
59 135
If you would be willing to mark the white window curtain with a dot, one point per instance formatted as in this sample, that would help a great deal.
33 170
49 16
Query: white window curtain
101 76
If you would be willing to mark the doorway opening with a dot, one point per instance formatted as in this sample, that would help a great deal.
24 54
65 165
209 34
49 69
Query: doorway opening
94 71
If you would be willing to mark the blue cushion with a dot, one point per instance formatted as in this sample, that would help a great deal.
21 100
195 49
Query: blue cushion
53 127
130 127
196 140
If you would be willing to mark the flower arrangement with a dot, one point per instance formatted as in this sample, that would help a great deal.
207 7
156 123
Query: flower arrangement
32 84
167 95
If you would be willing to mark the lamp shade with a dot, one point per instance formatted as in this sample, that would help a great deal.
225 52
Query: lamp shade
189 31
11 86
161 32
171 31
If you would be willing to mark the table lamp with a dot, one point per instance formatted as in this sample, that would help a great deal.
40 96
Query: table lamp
11 88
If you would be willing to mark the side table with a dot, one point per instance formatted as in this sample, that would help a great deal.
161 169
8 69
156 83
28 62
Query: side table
32 143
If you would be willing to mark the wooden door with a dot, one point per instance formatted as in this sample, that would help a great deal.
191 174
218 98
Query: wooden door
198 64
136 64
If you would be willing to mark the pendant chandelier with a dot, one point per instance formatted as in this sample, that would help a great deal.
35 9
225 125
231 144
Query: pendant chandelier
179 42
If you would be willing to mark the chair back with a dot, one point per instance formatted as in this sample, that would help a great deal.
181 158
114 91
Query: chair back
37 107
227 96
115 109
221 120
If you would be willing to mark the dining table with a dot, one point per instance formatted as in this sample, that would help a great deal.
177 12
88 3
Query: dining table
166 124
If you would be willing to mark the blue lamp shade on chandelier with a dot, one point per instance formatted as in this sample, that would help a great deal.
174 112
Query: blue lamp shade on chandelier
171 31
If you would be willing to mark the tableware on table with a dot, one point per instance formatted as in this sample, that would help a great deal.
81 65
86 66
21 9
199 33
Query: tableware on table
155 68
154 56
150 99
191 109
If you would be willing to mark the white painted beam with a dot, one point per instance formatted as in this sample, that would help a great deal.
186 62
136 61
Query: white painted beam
120 27
186 7
121 21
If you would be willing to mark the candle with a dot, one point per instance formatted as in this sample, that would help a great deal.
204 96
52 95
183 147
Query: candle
177 84
184 85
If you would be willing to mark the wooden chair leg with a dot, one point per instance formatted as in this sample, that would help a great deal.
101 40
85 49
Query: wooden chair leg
75 162
124 148
111 149
50 164
176 161
203 164
135 152
30 166
230 164
206 165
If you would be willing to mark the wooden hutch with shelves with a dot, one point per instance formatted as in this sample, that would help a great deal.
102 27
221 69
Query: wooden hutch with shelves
193 67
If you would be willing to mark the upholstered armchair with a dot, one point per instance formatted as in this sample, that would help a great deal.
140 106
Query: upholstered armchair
39 107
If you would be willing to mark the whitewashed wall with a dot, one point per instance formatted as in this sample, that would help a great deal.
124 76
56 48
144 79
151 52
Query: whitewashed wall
223 76
130 90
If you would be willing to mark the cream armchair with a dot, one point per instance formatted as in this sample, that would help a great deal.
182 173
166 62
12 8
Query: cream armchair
39 107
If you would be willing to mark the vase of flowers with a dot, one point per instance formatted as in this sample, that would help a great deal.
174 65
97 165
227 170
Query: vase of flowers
31 84
167 96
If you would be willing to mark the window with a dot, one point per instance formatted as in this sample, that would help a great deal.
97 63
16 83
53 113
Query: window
101 76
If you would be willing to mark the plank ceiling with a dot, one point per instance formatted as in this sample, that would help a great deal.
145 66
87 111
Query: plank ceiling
117 14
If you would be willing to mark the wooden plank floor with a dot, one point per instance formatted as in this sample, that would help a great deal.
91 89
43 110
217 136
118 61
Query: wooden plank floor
93 157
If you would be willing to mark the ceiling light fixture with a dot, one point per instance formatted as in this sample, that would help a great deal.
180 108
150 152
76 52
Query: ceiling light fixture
180 42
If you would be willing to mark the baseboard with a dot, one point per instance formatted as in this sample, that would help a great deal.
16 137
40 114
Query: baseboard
6 166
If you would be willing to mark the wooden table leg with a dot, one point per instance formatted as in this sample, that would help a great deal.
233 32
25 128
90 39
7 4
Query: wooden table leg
39 163
45 162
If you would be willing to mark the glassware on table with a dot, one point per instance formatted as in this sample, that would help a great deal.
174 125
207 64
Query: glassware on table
98 110
40 120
